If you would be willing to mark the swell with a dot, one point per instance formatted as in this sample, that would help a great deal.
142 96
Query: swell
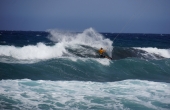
89 70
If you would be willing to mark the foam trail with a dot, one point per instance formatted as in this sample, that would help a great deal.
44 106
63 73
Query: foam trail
162 52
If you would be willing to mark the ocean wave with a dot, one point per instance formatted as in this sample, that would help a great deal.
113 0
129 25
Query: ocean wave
77 46
68 45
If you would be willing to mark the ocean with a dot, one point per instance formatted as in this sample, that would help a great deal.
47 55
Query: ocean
61 70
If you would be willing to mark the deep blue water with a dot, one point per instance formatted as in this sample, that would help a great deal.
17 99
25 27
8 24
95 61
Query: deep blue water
62 70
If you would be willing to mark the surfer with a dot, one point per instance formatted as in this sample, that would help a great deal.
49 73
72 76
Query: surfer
101 53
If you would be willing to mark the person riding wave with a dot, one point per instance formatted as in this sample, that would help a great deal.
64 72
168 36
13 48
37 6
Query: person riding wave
101 53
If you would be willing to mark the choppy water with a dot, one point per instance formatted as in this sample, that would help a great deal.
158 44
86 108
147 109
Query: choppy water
62 70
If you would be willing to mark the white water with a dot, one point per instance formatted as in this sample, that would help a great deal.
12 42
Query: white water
39 51
89 37
127 94
162 52
63 41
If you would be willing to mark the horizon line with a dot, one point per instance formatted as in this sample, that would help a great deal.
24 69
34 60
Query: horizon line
82 31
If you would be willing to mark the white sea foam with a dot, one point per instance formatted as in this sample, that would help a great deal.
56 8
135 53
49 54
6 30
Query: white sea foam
39 51
28 94
162 52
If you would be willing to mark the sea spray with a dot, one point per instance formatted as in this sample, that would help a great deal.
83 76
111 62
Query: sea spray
88 37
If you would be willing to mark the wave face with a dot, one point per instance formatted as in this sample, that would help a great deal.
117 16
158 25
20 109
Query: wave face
100 70
62 70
